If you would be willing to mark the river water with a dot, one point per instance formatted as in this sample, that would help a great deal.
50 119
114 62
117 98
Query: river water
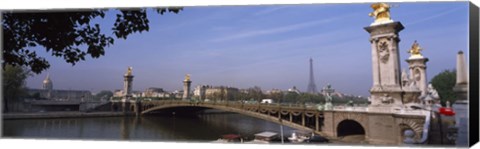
197 128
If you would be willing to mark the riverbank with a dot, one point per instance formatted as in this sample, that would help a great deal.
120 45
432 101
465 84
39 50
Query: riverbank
41 115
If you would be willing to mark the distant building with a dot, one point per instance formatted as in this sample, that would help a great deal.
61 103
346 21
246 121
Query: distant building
332 91
177 94
155 93
274 91
47 92
341 95
244 91
294 89
199 92
62 94
136 94
216 92
276 94
118 93
47 83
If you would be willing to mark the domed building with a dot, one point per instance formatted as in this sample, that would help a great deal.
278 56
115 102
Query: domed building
47 83
47 92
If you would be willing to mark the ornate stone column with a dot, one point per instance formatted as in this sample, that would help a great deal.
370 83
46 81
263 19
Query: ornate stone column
127 83
186 87
127 90
385 64
417 66
461 86
461 104
417 81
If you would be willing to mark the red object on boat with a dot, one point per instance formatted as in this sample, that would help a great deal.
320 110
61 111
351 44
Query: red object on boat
230 136
447 111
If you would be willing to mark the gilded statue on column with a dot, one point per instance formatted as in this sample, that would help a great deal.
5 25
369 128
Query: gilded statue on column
129 71
415 50
187 77
381 12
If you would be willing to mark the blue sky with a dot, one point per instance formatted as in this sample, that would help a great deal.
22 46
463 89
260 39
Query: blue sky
268 46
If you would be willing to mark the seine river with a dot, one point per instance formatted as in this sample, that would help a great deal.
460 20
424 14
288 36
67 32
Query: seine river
199 128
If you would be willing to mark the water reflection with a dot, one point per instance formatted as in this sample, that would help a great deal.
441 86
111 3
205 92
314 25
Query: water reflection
200 128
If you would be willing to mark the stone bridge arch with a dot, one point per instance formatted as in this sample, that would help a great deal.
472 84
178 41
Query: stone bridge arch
355 117
349 127
253 112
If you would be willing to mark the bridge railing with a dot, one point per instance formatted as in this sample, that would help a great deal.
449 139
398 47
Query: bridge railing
347 108
232 104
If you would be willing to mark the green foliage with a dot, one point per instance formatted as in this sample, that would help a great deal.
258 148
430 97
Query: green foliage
36 95
348 100
291 97
255 93
216 96
311 98
240 96
444 83
13 85
64 34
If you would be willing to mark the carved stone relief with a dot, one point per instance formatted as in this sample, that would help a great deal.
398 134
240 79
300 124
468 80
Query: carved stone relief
383 51
416 75
415 125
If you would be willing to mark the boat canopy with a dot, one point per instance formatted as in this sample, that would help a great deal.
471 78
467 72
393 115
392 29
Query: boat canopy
266 134
230 136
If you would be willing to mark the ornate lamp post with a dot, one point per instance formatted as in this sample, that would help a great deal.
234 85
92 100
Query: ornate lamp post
328 90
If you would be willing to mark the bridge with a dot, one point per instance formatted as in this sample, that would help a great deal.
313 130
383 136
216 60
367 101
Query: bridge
378 127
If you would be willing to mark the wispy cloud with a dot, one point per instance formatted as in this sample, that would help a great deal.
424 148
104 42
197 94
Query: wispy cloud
186 21
432 17
282 50
280 29
269 10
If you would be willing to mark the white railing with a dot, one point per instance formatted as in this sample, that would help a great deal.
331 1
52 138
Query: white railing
230 103
347 108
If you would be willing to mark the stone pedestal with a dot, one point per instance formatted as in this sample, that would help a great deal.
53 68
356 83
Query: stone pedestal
418 73
127 84
137 108
186 89
127 90
328 106
328 90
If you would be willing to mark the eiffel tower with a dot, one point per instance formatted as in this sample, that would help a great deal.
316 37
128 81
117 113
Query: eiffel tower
312 88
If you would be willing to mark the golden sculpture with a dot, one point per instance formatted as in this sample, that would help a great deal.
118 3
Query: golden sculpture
187 77
129 71
415 50
381 12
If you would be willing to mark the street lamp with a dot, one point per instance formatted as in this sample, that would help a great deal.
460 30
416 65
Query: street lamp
281 129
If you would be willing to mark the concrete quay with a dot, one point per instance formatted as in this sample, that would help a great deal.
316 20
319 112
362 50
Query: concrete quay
9 116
